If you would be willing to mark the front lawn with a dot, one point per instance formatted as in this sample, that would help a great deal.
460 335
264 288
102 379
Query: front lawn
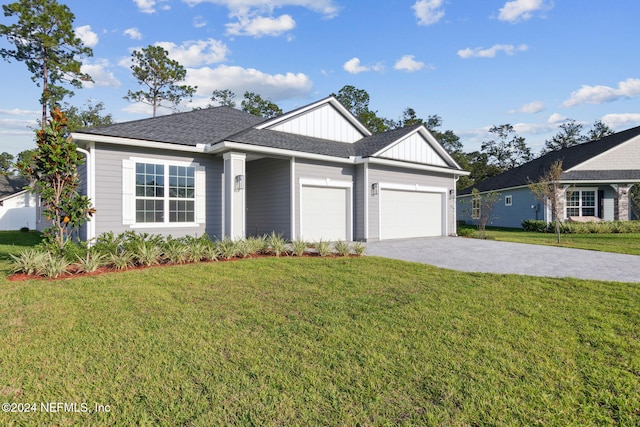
317 341
622 243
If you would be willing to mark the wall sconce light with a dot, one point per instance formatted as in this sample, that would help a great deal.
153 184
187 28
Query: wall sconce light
239 182
375 189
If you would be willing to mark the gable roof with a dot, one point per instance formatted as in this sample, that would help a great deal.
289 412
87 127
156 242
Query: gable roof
570 157
12 184
211 126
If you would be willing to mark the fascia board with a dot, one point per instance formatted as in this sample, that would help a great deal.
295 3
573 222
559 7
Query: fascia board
78 136
228 145
406 165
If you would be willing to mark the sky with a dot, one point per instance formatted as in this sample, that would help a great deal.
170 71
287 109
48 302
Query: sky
533 64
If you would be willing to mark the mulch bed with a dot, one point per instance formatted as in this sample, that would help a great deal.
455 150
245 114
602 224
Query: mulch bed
73 271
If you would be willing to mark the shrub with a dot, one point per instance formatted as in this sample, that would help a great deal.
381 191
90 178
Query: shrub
121 260
227 248
276 244
147 253
537 225
91 262
298 247
342 248
466 232
359 248
323 248
175 251
55 266
24 229
30 261
209 252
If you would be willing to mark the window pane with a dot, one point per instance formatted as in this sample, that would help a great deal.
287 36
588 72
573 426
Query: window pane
588 211
588 198
573 211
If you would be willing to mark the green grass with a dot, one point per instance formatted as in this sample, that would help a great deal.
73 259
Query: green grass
321 341
623 243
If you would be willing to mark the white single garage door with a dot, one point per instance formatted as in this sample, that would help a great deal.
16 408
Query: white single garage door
410 214
324 213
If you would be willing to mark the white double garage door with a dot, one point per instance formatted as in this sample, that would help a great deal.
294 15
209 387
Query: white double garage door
403 211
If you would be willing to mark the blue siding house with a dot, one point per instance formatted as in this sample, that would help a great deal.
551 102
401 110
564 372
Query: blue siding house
597 178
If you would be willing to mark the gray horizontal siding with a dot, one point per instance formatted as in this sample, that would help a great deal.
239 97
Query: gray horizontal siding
512 216
268 185
108 197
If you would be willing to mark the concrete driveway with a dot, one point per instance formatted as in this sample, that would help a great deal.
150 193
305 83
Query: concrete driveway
490 256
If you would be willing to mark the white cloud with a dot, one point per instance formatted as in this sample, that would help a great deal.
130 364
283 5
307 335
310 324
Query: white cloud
353 66
479 52
199 22
238 79
556 118
19 112
428 12
325 7
530 108
260 26
133 33
521 10
629 88
88 37
193 53
621 121
409 63
146 6
100 74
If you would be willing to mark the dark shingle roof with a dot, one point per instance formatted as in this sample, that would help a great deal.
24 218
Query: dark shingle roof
571 157
370 145
10 184
206 126
213 125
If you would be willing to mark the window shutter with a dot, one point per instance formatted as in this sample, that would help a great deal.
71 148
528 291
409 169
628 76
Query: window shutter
128 192
201 195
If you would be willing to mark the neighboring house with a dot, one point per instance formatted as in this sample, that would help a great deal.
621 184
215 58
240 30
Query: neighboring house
597 176
17 205
313 173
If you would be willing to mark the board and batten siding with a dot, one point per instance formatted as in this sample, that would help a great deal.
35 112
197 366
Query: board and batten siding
623 157
391 175
109 184
306 169
268 184
414 149
322 122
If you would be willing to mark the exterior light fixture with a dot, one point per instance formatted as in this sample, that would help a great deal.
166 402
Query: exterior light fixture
239 182
375 189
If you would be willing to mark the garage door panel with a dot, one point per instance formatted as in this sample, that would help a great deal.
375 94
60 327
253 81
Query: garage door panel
324 213
405 214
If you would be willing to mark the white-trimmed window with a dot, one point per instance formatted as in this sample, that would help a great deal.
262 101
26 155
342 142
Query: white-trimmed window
508 200
160 193
476 204
582 203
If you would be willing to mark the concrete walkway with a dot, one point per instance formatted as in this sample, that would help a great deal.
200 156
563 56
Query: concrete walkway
490 256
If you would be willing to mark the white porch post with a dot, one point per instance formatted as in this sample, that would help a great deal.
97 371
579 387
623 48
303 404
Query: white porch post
235 195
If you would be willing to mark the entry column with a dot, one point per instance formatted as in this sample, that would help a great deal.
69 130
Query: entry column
235 193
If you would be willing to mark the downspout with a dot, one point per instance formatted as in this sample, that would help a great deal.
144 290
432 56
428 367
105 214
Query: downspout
91 226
